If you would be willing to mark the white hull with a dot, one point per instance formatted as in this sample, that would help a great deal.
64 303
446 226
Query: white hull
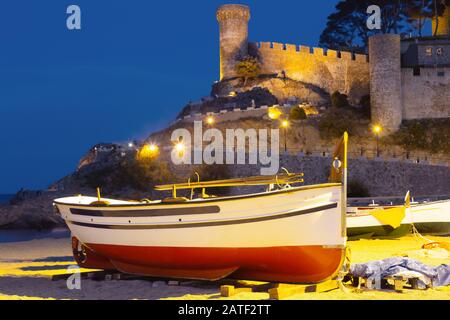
361 222
316 228
432 217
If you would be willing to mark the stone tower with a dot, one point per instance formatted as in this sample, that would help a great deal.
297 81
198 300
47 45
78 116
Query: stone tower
443 24
233 22
385 81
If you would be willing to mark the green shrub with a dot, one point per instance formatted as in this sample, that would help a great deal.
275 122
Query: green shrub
339 100
144 174
431 135
334 122
297 113
130 173
248 67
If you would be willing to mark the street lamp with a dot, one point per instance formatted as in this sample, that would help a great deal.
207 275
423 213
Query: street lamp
210 120
377 130
285 125
179 147
153 148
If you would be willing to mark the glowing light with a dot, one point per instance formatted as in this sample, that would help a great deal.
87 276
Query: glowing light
179 147
377 129
274 113
148 151
210 120
130 145
285 124
232 94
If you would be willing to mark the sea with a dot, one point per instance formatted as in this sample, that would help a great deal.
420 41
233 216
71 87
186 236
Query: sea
7 236
4 198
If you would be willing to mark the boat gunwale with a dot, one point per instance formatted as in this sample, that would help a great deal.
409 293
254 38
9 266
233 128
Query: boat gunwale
429 203
201 201
198 224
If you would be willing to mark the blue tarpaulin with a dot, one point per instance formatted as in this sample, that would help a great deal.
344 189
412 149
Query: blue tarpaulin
429 275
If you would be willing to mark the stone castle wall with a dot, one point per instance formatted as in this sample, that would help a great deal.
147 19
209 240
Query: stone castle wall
396 94
385 81
330 70
233 23
426 95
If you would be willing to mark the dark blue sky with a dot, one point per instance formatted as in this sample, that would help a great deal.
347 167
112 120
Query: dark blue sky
127 73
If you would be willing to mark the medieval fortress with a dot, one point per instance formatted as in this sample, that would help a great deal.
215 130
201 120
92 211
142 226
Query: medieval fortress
406 78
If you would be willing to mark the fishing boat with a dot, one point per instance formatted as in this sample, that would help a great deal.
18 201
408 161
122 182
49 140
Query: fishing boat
375 221
288 233
431 217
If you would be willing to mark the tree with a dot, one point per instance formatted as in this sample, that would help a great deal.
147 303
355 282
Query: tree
439 7
297 113
248 67
347 27
339 100
418 11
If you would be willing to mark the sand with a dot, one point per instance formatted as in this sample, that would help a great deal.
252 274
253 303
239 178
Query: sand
26 270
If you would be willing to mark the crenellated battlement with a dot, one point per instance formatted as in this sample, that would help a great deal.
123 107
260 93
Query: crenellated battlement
397 91
313 51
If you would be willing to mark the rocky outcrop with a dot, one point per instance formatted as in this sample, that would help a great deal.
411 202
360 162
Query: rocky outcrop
253 97
31 213
284 89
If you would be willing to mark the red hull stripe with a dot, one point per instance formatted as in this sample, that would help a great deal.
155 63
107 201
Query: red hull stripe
206 224
301 264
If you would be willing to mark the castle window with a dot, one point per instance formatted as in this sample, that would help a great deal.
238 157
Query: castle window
440 51
429 51
441 74
416 71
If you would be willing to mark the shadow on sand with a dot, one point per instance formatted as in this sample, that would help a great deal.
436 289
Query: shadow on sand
92 290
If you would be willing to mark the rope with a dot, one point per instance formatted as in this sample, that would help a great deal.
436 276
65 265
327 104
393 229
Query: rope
416 232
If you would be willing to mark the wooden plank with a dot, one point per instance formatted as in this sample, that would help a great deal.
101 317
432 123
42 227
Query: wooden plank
228 291
283 291
398 284
248 181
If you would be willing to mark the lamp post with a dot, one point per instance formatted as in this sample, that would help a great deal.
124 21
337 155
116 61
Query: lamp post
285 125
377 130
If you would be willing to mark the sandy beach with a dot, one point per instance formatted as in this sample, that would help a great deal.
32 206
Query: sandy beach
27 268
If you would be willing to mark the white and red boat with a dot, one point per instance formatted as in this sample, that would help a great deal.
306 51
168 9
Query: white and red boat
374 221
291 234
432 217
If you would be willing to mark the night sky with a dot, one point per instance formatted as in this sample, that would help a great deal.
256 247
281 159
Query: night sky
126 73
